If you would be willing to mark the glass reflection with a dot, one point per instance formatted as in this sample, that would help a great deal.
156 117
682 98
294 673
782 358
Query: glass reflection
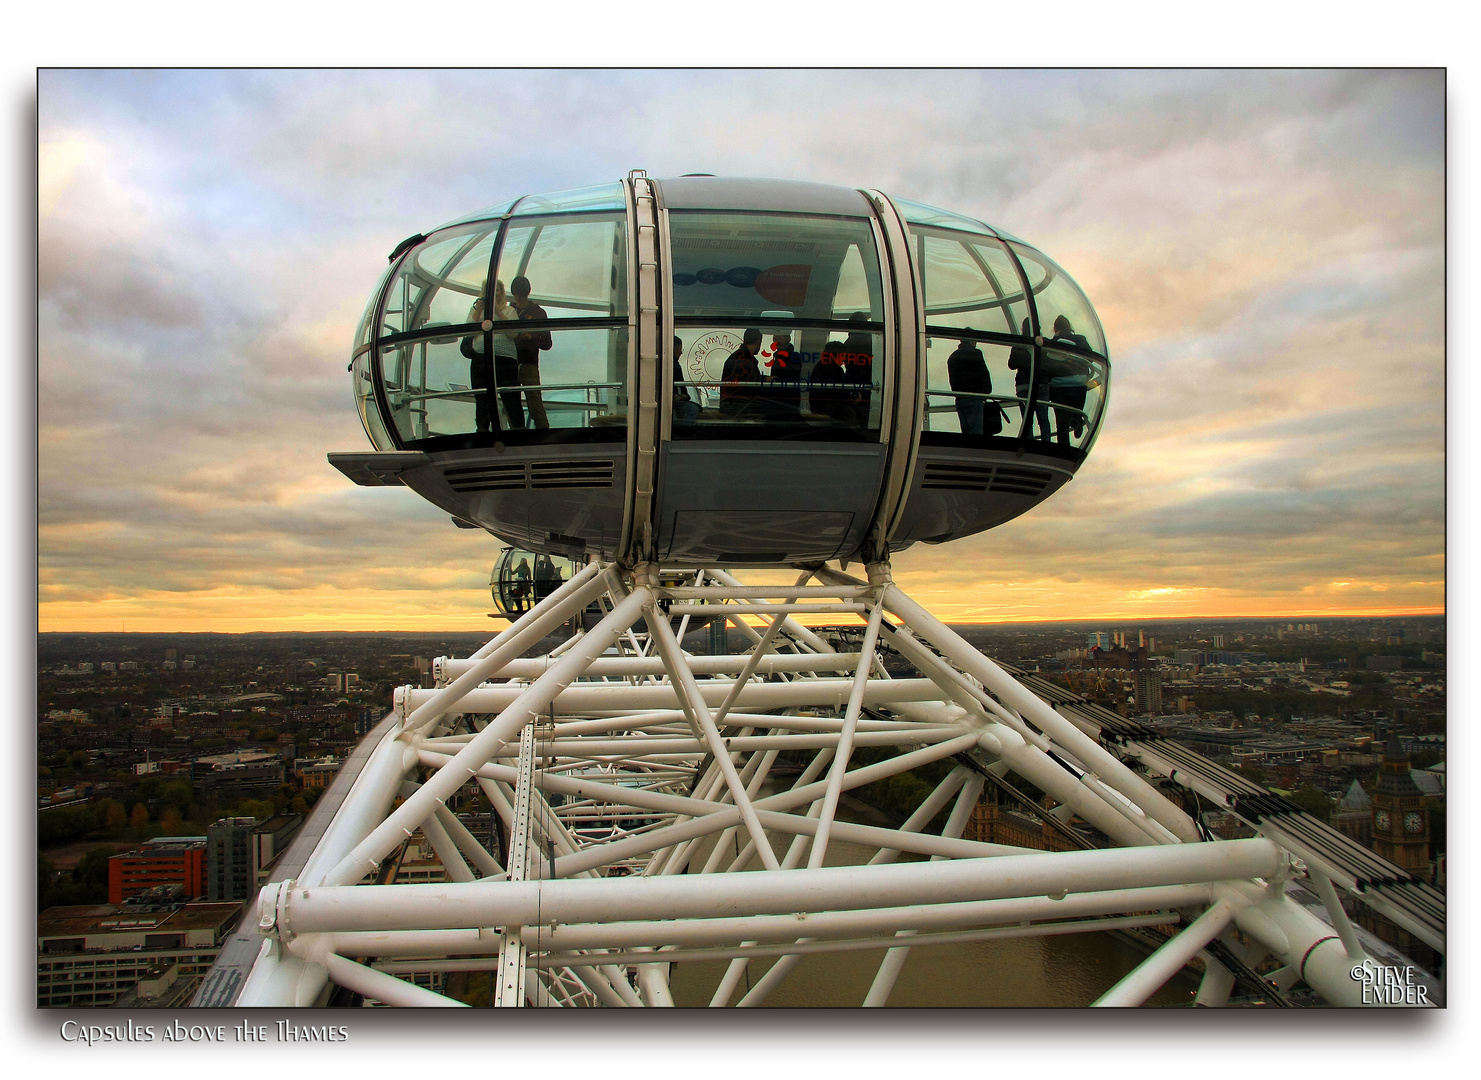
437 281
445 386
743 265
969 283
778 382
575 267
1057 297
1072 388
973 387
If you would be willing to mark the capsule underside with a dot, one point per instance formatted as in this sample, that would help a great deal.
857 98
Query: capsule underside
852 373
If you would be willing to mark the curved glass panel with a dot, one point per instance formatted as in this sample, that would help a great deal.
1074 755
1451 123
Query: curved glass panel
969 283
1064 312
366 327
521 579
576 267
769 266
365 404
487 213
440 280
920 214
975 388
442 386
778 382
598 197
1071 392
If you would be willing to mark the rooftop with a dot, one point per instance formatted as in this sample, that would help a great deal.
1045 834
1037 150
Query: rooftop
77 920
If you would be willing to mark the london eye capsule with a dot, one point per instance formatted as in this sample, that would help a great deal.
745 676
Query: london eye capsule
725 372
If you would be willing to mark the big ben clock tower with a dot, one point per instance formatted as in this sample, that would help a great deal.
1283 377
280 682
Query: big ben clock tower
1401 823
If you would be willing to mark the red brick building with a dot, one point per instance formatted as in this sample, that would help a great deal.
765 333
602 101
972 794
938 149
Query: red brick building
165 860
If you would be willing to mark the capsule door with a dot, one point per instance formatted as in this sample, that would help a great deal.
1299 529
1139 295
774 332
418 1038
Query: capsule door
776 378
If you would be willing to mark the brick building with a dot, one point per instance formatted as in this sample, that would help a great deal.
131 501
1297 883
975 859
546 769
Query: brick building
165 860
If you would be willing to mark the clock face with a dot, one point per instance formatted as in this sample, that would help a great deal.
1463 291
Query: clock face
1413 823
1380 820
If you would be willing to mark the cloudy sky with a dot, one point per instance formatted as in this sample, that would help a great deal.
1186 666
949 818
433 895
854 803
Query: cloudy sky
1266 250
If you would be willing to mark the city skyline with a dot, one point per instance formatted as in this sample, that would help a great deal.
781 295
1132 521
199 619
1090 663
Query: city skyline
1266 250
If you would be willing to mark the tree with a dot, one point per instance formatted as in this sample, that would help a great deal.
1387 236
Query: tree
260 809
177 793
115 816
139 819
1314 801
170 820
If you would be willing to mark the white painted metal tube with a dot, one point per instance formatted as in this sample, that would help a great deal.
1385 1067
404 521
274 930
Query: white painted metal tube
583 698
1152 973
544 617
528 619
1035 766
768 663
944 847
477 855
790 625
926 811
364 807
1031 707
845 740
383 987
653 982
533 701
572 900
770 609
797 950
452 860
668 646
646 747
858 923
728 815
894 960
1298 939
1339 918
747 592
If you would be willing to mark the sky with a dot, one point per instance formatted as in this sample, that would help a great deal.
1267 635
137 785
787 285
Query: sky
1266 249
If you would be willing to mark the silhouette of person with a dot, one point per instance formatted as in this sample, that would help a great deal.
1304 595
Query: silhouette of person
483 374
521 590
858 360
966 371
1069 385
827 386
740 379
527 346
786 377
686 409
1021 362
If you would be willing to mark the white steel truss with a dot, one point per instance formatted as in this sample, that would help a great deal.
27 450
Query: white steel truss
646 827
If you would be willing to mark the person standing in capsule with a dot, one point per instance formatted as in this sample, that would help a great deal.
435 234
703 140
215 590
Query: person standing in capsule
527 346
740 379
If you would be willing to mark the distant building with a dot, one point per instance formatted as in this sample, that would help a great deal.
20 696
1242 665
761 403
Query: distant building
1384 663
230 874
243 775
317 772
1148 692
269 840
165 860
239 850
91 954
1353 815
